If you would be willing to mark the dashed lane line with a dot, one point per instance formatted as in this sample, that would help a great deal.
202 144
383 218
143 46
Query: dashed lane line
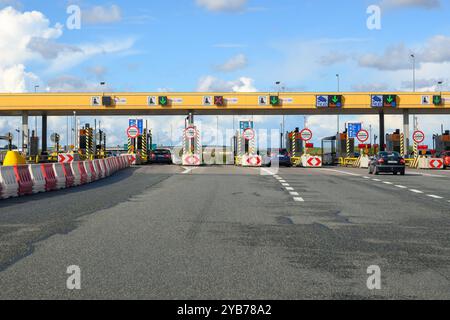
299 199
343 172
416 191
435 197
401 187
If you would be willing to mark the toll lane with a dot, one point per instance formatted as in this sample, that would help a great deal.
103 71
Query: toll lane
231 233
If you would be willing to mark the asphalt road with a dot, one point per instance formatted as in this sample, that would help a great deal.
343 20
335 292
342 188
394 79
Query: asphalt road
166 232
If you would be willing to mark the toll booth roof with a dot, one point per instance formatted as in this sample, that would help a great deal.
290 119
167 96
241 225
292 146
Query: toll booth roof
332 138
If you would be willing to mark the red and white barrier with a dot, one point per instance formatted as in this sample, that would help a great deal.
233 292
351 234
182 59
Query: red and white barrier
23 178
49 175
38 178
8 183
70 178
98 169
60 176
27 179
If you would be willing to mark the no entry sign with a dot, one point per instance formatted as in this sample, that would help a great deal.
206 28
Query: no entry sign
306 135
362 136
249 134
133 132
418 136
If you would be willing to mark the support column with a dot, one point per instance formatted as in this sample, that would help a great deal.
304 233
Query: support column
406 131
44 134
382 133
25 133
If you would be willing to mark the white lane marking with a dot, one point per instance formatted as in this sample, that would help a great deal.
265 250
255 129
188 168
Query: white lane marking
278 178
387 182
187 170
344 172
432 175
415 191
377 180
285 184
289 189
401 187
270 173
299 199
366 177
293 193
282 181
435 197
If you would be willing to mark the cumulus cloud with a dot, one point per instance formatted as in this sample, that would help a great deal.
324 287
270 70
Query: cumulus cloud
372 87
333 58
101 14
69 83
222 5
427 4
397 57
237 62
212 84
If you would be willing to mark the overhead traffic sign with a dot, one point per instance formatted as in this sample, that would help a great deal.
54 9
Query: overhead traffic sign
306 135
377 101
335 101
163 101
362 136
437 100
418 136
390 101
275 100
322 101
133 132
245 125
249 134
219 101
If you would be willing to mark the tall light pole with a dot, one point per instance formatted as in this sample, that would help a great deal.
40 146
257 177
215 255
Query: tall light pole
338 78
278 83
413 57
36 117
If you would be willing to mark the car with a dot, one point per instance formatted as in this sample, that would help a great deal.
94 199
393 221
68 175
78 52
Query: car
446 158
163 156
387 162
283 157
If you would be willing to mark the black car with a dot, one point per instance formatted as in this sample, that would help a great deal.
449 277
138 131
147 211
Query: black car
283 158
161 156
387 162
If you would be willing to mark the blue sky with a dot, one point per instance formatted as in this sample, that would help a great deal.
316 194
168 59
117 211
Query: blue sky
225 45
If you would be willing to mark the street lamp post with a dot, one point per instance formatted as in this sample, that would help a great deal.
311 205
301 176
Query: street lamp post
414 71
338 90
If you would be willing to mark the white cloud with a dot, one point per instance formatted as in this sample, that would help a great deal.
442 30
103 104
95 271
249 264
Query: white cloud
15 79
212 84
427 4
237 62
222 5
101 14
333 58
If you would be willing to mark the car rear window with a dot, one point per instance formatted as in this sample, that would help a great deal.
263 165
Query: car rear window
162 152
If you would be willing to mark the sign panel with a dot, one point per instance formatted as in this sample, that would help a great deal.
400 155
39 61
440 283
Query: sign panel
322 101
377 101
96 101
163 101
437 100
207 101
190 133
418 136
390 101
275 100
362 136
249 134
306 135
426 100
335 101
246 124
353 129
152 101
140 125
219 101
263 100
133 132
132 123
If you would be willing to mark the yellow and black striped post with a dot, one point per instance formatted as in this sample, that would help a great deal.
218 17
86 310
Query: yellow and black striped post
131 146
144 152
90 144
402 144
348 146
294 143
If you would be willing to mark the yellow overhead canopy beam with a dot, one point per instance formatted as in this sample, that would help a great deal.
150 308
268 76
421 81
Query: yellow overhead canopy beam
223 103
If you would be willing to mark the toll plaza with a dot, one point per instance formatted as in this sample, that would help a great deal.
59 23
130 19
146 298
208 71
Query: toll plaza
245 145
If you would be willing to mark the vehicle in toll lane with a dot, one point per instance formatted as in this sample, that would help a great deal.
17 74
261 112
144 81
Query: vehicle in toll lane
283 157
446 158
163 156
387 162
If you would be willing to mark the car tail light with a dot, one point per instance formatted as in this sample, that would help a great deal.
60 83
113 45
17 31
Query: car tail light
166 156
381 161
402 161
153 156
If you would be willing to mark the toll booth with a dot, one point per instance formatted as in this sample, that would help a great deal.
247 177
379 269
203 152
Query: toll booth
345 146
442 142
294 143
87 148
34 147
329 152
395 142
192 146
246 149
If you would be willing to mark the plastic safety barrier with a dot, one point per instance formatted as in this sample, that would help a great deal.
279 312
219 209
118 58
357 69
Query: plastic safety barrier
50 177
8 183
60 176
38 178
105 170
91 167
23 178
98 169
87 168
70 178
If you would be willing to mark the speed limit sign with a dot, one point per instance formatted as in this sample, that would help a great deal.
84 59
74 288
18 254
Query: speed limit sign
362 136
306 135
249 134
190 133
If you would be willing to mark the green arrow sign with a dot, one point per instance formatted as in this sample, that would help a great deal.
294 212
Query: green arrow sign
335 99
437 100
163 101
274 100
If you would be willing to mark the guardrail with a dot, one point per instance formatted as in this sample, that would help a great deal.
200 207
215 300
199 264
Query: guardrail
21 180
